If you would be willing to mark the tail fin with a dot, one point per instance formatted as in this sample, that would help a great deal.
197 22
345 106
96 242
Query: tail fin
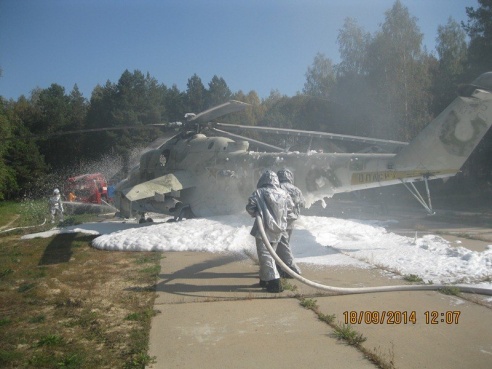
446 143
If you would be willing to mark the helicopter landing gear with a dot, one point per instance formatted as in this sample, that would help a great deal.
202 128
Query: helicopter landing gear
144 220
181 211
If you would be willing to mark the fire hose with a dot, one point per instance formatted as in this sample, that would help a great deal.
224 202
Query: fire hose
13 229
355 290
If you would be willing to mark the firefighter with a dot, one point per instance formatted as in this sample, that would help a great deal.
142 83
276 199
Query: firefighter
274 206
56 205
286 179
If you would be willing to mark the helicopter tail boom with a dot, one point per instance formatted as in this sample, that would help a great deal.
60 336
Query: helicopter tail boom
447 142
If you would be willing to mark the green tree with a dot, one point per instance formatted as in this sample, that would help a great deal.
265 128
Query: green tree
135 101
352 46
99 115
352 88
274 114
320 77
138 99
7 175
78 106
451 47
195 95
252 115
29 168
218 92
52 116
77 112
52 105
175 103
280 111
452 51
398 72
479 28
21 165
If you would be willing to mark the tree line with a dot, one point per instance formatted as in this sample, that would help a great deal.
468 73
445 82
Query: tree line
386 85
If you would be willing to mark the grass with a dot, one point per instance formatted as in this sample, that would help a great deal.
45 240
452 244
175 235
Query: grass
451 290
343 332
24 213
310 304
50 340
346 333
32 214
287 286
413 278
328 319
64 304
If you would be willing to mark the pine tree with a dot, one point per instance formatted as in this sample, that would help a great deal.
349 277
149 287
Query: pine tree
479 28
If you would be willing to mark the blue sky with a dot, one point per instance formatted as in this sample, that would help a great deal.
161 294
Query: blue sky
260 45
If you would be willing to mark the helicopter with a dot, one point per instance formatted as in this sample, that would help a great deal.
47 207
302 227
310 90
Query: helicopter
206 170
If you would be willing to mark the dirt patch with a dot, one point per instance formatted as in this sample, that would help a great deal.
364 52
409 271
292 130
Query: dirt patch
10 223
89 308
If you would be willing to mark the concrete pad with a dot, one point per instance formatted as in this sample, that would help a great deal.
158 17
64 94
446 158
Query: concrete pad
265 333
213 314
466 342
202 276
470 244
342 277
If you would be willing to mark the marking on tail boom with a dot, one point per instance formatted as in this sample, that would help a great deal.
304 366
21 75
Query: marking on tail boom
460 136
392 175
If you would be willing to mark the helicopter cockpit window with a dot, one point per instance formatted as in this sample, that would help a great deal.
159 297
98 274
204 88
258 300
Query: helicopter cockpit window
210 145
164 158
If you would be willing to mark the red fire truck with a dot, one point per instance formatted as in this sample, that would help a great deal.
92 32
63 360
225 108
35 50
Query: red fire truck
88 188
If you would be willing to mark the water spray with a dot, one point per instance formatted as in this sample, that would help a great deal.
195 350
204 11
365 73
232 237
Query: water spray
355 290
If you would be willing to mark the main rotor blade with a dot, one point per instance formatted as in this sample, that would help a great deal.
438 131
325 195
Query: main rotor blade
63 133
258 143
316 134
229 107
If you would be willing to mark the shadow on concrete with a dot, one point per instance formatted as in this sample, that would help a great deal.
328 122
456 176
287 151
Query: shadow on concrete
225 281
197 270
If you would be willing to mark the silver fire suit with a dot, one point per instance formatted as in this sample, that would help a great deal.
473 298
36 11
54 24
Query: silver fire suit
56 206
274 206
286 178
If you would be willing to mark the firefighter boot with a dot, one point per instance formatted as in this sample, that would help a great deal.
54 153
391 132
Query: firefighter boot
274 286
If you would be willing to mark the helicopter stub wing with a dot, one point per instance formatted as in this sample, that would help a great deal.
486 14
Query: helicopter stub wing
165 184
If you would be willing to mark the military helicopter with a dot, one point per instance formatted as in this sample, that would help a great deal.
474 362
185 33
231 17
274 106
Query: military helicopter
206 170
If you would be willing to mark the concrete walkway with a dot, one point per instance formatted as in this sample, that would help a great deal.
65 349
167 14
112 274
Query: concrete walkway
212 314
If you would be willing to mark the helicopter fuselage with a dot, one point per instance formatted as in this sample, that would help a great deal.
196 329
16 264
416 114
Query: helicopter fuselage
221 174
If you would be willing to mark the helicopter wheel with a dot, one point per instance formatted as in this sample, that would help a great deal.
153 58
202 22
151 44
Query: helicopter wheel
145 220
142 218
